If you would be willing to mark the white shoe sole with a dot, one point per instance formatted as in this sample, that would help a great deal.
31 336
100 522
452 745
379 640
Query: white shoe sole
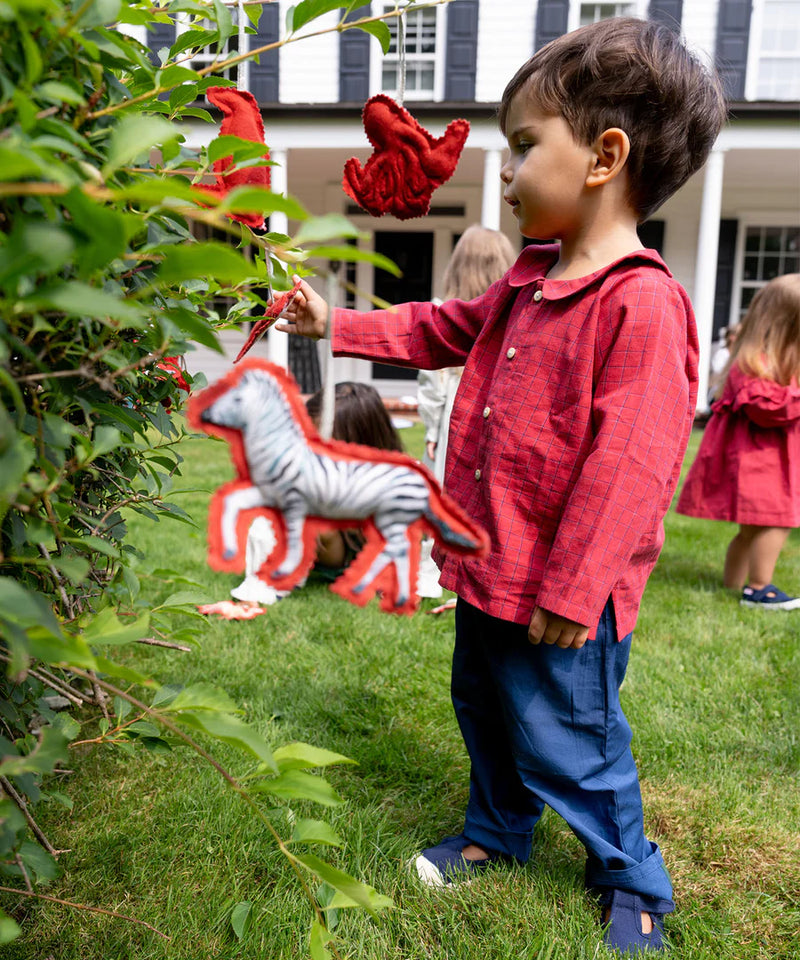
793 604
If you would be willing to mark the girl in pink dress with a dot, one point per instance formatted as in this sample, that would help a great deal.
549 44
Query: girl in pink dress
747 469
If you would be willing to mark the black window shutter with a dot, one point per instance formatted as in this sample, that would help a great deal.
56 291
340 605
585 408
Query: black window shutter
668 12
354 60
723 293
265 75
462 50
551 21
159 35
733 37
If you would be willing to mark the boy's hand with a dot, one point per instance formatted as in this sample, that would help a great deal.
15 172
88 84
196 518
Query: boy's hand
554 629
307 314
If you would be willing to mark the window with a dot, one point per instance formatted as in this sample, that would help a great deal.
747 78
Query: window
774 62
769 252
424 46
583 13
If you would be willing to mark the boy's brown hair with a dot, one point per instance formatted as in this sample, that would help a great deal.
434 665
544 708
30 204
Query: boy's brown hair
636 75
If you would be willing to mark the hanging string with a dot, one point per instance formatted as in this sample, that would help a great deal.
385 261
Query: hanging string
241 67
401 49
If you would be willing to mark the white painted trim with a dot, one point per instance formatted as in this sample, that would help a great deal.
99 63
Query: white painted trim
754 49
763 217
574 19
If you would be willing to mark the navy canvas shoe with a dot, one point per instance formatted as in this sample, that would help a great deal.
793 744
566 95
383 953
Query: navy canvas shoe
444 864
769 598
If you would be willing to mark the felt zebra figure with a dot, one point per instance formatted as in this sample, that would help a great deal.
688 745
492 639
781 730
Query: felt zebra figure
306 485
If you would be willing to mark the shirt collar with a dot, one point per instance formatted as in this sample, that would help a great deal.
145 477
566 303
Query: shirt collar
535 260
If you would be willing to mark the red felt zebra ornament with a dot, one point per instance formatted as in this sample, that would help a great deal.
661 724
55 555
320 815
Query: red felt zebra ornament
305 486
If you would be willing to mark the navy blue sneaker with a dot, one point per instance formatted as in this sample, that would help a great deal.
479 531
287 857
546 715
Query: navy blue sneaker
623 919
444 864
769 598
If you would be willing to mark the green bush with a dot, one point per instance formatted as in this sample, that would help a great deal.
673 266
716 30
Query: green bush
102 289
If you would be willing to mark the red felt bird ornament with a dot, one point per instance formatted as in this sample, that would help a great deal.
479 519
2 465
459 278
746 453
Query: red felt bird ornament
407 165
242 119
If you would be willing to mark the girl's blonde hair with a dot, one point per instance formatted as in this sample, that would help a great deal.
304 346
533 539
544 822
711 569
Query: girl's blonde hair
768 343
480 257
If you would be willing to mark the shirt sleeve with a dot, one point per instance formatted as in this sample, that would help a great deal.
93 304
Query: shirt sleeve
430 403
643 402
768 404
425 336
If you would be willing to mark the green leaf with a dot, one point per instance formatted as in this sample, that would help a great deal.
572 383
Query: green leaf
174 75
105 629
33 58
318 941
327 227
240 916
26 608
9 929
80 299
296 785
309 10
58 92
224 22
230 730
48 752
351 254
113 669
380 30
258 200
202 696
135 135
236 147
302 756
98 13
360 893
15 164
315 831
191 598
190 260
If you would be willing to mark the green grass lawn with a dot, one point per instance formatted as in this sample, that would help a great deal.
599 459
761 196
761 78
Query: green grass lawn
711 694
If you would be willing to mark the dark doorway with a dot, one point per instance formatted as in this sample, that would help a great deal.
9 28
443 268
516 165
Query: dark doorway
413 254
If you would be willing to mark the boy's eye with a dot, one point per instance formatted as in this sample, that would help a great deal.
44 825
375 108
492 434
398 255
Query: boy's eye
523 146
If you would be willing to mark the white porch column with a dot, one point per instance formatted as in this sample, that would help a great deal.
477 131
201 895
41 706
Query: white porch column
278 343
490 208
705 275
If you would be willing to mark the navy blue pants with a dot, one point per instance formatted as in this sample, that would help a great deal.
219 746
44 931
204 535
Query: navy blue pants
544 725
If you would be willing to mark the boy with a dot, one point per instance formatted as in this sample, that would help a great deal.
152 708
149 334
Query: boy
567 437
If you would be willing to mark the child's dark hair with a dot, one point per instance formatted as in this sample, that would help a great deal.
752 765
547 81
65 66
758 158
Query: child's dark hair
359 417
636 75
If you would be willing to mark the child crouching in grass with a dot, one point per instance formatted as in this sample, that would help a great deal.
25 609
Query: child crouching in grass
567 436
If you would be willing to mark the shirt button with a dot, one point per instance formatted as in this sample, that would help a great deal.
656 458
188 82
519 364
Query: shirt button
538 295
486 412
477 474
511 353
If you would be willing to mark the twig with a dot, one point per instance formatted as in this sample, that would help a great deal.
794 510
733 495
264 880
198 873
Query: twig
84 906
24 872
152 642
12 794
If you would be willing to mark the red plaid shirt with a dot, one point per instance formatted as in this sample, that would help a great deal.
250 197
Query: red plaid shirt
568 430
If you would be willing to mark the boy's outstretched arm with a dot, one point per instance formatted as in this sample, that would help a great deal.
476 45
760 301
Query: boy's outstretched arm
307 314
552 628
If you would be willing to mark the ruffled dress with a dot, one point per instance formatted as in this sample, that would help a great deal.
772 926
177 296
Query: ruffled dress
747 469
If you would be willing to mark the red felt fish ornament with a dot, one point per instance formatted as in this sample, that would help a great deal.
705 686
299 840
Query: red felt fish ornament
407 165
270 315
242 119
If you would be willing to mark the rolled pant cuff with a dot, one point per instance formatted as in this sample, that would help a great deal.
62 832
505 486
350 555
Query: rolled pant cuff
516 845
649 879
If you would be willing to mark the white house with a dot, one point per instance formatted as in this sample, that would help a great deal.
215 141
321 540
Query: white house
731 228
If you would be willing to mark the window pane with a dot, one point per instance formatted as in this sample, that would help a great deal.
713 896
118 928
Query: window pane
772 238
751 268
753 239
771 268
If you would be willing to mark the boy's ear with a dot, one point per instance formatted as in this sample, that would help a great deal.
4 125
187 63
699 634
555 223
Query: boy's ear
611 151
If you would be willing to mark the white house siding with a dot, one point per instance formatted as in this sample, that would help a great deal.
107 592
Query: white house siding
699 26
309 69
505 31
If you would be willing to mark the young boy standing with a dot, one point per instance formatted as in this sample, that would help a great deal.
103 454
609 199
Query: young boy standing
567 436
